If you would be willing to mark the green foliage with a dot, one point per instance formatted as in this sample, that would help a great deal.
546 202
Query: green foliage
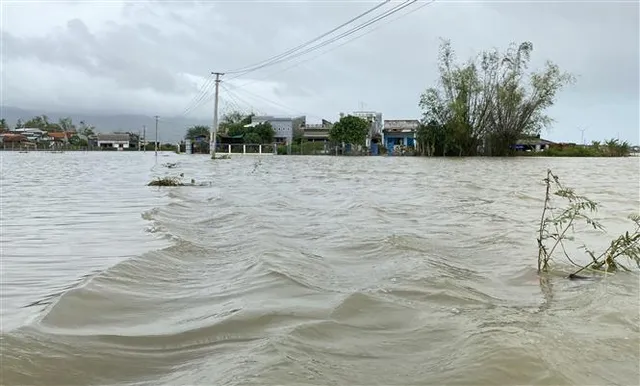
86 130
197 131
41 122
166 181
3 125
350 129
489 100
609 148
555 228
234 122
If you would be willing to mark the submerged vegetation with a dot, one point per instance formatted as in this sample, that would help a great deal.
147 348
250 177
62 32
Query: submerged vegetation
166 181
557 228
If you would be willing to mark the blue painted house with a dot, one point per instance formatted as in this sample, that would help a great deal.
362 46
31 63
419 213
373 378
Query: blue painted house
400 133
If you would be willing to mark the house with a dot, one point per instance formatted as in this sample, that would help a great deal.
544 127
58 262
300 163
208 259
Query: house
283 127
12 140
375 120
317 132
114 140
32 134
533 143
400 132
59 137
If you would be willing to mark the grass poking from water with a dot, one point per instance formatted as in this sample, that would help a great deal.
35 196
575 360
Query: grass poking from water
558 226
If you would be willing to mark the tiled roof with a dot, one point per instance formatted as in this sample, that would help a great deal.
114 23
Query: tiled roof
113 137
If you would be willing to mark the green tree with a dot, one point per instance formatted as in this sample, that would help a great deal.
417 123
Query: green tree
264 131
298 135
66 124
42 122
489 100
86 130
350 129
3 125
234 122
197 131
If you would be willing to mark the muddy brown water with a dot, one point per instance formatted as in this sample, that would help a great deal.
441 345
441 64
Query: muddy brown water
306 270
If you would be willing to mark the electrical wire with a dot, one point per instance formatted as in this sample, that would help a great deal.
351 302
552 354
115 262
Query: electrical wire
233 87
292 50
196 101
335 38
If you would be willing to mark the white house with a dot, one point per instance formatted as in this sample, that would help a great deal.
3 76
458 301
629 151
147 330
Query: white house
283 127
119 141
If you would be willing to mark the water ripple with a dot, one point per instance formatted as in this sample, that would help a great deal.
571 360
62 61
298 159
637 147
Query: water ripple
380 270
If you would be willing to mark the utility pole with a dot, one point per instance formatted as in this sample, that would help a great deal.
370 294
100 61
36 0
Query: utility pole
582 138
156 136
214 130
144 138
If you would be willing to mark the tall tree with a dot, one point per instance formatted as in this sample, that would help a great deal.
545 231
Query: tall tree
66 124
3 125
489 100
86 129
350 129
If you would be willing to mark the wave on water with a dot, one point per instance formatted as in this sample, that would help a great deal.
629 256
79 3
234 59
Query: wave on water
312 276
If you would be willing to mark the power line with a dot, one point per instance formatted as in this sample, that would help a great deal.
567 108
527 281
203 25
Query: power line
233 87
237 99
204 90
292 50
285 108
335 38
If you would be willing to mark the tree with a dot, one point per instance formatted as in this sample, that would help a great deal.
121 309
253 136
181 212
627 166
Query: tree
3 125
298 135
66 124
234 122
86 130
490 100
197 131
42 122
350 129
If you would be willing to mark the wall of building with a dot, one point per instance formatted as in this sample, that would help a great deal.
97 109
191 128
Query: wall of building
122 144
282 127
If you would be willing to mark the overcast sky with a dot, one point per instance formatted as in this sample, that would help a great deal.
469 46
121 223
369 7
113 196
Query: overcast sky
152 58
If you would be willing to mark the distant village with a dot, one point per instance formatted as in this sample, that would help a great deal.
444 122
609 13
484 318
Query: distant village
292 135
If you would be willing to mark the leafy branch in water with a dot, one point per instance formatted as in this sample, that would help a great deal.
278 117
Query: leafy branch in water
555 229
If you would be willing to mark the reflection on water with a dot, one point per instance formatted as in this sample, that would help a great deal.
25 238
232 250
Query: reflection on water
305 270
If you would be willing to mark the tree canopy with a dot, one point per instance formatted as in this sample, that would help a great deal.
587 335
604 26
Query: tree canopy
194 132
233 124
350 129
487 103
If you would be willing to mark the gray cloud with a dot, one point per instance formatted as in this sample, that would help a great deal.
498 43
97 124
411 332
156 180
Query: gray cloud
149 50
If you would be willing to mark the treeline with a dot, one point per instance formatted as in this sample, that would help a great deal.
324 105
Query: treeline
609 148
233 125
486 104
43 123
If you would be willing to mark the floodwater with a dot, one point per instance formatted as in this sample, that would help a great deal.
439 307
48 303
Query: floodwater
306 270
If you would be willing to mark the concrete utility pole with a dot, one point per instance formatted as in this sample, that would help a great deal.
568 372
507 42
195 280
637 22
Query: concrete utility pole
582 138
157 135
214 129
144 138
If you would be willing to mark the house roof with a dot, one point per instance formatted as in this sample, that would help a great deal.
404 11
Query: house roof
58 135
6 137
400 125
534 141
113 137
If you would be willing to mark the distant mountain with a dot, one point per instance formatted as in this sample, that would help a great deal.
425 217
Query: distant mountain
170 129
